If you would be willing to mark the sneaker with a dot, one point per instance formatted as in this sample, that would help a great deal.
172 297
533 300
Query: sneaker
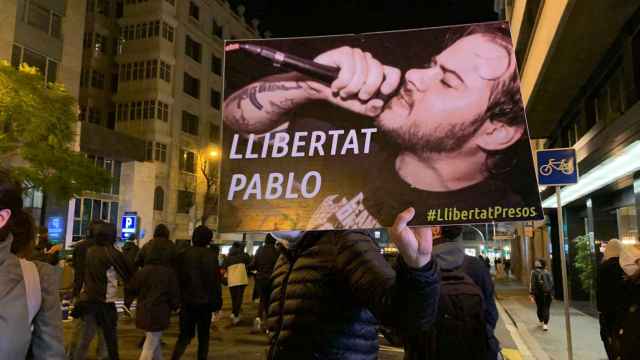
545 327
257 324
235 320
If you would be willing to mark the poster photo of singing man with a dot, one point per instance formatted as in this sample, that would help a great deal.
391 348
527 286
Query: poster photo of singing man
345 132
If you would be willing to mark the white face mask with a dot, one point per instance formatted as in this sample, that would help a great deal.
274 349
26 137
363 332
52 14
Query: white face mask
288 236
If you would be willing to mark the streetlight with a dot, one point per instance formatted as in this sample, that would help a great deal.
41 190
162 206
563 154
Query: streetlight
214 153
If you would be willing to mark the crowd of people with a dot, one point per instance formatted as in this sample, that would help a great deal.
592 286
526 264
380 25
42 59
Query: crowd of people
322 294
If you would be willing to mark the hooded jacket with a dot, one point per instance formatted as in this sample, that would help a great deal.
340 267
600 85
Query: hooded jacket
330 290
156 286
15 334
199 277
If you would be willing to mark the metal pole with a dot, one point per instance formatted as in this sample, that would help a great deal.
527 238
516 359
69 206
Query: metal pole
565 283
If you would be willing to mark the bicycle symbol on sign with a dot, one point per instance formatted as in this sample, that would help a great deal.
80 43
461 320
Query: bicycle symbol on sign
563 165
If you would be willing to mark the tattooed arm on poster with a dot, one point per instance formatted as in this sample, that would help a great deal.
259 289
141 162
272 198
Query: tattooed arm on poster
266 104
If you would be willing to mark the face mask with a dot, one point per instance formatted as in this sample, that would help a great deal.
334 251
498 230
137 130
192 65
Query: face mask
289 236
629 259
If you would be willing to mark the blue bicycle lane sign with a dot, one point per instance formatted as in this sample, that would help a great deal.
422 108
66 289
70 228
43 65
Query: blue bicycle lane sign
557 167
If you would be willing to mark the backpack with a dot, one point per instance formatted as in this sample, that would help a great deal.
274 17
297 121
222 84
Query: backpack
542 281
460 329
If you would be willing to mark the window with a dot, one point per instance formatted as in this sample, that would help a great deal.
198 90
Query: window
193 49
163 111
97 79
52 71
165 71
103 7
34 59
190 123
216 30
216 65
148 150
527 29
114 81
149 107
87 41
82 113
158 199
38 17
191 86
135 71
185 201
187 161
161 152
214 133
141 70
101 44
127 71
215 99
194 11
56 26
94 116
154 29
16 55
167 32
152 69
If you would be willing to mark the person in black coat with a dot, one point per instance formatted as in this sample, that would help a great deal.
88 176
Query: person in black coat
156 286
200 290
611 296
263 263
331 289
130 251
160 238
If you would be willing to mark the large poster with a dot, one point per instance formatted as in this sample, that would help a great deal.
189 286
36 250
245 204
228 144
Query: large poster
347 131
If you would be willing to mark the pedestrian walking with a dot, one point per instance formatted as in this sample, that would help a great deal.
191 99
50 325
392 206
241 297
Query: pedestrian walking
130 250
507 268
156 287
263 263
79 260
200 292
626 332
104 264
540 288
30 316
160 238
611 293
331 289
235 266
466 308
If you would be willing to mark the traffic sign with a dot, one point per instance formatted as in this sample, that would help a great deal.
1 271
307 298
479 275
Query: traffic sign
129 224
557 166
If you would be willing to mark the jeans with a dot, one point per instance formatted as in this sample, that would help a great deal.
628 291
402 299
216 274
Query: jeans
543 303
237 293
79 326
102 316
151 349
192 317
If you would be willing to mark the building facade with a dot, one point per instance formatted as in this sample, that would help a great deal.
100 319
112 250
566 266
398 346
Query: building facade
580 73
152 71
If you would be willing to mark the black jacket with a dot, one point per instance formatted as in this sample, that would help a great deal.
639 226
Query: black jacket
79 264
264 261
169 251
156 286
130 251
236 256
611 294
99 259
331 289
199 277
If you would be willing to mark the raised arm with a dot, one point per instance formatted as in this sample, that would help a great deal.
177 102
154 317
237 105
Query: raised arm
268 103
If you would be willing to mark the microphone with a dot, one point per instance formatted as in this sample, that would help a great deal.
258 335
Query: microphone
320 72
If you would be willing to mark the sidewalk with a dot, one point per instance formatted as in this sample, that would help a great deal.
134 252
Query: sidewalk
552 344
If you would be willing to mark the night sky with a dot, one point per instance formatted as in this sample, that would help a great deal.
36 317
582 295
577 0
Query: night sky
291 18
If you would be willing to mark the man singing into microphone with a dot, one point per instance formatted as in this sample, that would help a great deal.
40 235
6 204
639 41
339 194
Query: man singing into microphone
457 122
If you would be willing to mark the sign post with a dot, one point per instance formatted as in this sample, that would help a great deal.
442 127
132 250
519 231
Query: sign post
557 167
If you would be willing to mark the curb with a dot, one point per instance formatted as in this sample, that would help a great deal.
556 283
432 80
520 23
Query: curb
527 344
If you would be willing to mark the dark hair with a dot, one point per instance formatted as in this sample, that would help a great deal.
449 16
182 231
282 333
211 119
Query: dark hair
161 231
24 234
93 227
215 248
105 234
451 232
202 236
269 239
10 199
543 263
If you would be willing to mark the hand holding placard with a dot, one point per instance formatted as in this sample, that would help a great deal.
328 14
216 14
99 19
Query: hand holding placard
415 244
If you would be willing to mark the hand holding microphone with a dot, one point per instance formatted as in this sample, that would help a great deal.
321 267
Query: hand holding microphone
347 77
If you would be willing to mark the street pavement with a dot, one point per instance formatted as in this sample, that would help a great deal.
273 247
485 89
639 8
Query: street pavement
241 343
551 345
